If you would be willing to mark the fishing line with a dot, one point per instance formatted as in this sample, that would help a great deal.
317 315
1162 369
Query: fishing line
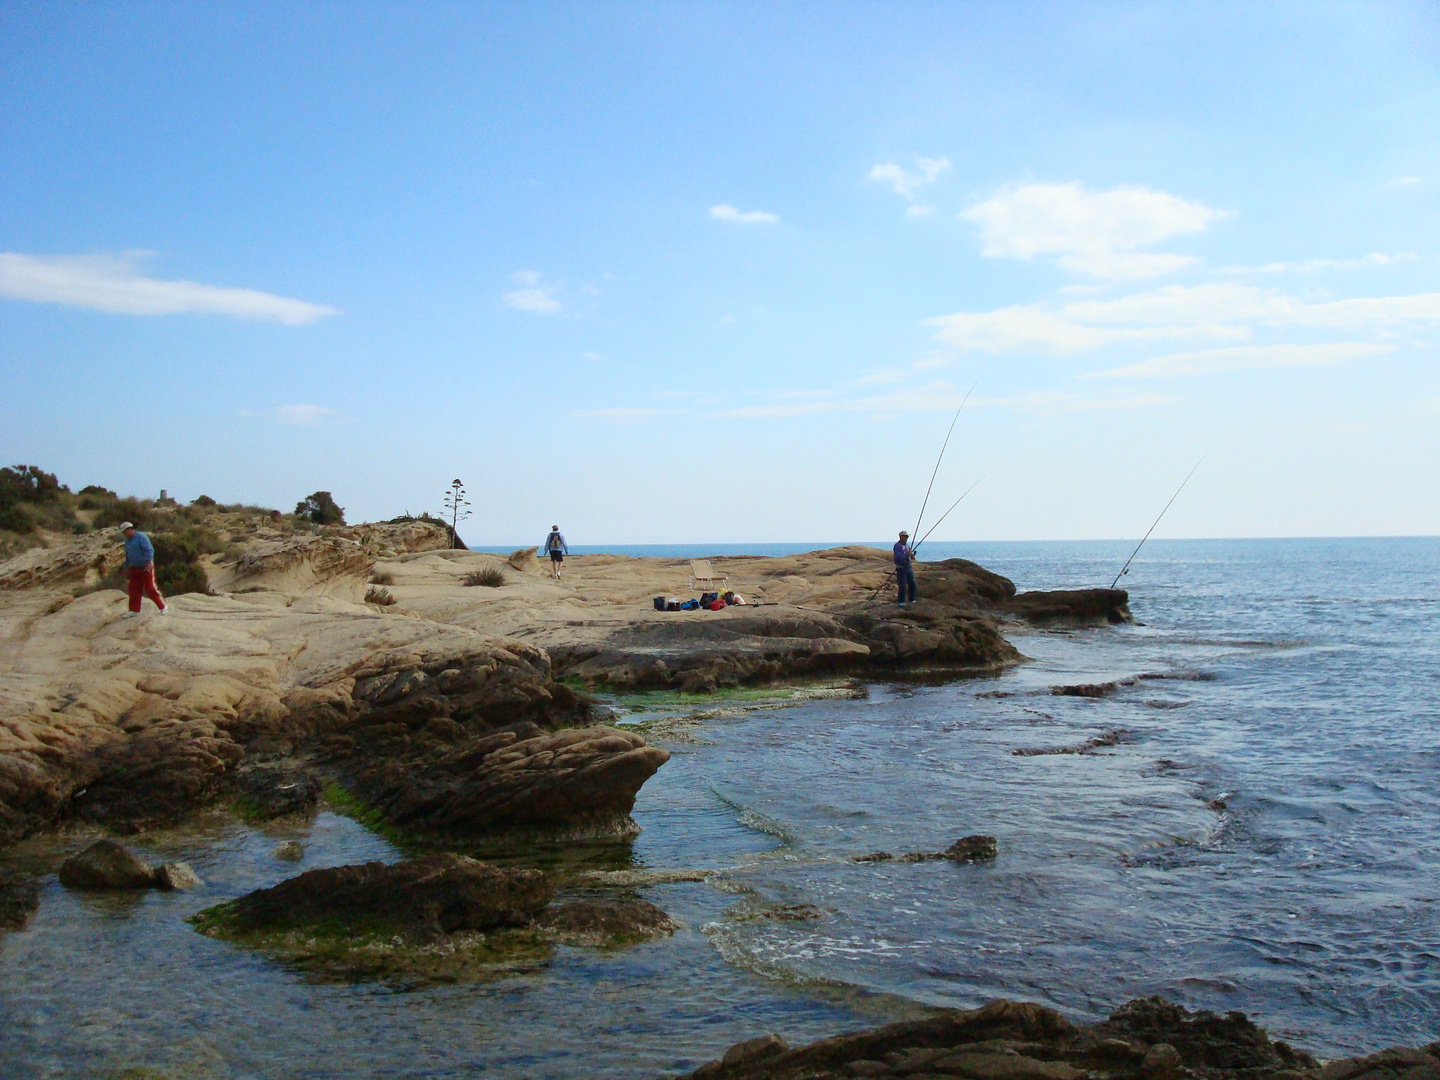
941 458
946 514
1126 568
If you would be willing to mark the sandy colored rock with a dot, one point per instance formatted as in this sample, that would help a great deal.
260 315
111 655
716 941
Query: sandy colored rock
177 875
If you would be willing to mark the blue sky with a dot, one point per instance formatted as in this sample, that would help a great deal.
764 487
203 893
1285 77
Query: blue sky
688 273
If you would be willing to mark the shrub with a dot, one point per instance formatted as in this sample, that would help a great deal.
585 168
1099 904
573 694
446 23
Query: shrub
140 514
177 566
320 508
492 577
29 483
203 500
16 517
382 577
379 596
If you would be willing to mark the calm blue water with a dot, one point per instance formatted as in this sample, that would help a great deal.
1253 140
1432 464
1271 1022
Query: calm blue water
1256 830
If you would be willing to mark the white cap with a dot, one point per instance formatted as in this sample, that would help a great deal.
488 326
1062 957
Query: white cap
126 525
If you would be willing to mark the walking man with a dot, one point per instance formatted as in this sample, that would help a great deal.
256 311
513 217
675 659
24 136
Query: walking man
140 564
904 572
556 548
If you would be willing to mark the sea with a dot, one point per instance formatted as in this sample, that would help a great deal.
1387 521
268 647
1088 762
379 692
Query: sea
1248 819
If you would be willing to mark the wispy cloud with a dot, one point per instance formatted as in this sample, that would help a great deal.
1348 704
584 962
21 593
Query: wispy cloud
532 297
1404 181
303 415
908 184
1215 310
1100 233
112 283
726 212
1308 266
1242 358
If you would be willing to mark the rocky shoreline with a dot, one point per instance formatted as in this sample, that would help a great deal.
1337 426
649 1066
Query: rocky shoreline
447 712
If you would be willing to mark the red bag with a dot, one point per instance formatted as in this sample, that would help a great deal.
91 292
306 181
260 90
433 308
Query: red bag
717 605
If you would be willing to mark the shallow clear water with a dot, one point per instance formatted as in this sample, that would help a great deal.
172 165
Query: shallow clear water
1260 835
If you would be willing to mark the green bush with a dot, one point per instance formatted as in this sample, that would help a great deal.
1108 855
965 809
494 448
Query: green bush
140 514
177 567
320 508
16 517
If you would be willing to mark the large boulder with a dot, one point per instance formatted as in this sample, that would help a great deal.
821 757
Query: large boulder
312 565
106 865
1013 1040
64 564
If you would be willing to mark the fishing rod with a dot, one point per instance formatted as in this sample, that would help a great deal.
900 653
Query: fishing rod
946 514
933 473
928 531
941 458
1126 568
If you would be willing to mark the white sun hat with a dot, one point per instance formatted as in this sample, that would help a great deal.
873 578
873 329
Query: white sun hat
126 525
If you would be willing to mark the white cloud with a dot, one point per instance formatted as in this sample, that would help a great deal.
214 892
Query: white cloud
535 301
1243 358
918 211
1404 181
1375 258
726 212
1217 310
302 415
111 283
1093 232
526 277
908 184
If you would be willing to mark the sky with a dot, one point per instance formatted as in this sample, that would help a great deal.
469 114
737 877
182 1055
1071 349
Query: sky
688 273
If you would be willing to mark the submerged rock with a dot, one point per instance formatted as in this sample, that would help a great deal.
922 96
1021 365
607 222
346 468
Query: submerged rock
1072 607
106 865
437 918
1011 1040
290 851
270 791
605 922
19 899
419 899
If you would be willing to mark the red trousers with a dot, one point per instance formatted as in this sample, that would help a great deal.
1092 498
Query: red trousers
142 583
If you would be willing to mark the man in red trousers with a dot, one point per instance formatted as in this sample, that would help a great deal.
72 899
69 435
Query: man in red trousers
140 564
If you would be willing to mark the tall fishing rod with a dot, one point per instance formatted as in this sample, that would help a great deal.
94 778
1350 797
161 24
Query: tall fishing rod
928 531
1126 568
936 471
946 514
933 473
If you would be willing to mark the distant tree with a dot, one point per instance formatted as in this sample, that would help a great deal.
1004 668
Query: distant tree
203 500
457 509
28 483
321 509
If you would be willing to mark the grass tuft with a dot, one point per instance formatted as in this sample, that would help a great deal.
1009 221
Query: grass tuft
379 596
492 577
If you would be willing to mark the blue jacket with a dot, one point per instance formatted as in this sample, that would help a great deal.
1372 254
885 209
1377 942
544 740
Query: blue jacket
139 550
902 553
545 547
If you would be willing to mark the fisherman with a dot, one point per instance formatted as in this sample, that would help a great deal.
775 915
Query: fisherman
556 548
140 564
904 572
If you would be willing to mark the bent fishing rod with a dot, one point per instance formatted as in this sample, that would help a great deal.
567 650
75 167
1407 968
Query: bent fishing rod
1126 568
